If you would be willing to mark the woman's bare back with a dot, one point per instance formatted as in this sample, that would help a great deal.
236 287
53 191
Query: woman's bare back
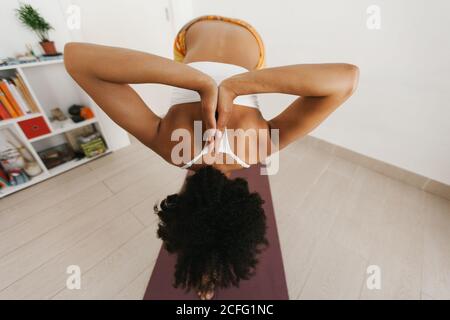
244 119
221 41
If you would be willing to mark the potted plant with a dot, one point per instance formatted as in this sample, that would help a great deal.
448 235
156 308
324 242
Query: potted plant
31 18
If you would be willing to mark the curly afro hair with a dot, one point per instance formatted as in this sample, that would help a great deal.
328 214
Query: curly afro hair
216 227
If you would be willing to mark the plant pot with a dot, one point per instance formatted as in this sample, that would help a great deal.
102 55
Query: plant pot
49 47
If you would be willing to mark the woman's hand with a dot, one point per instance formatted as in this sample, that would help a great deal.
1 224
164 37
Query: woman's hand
221 112
217 107
209 95
225 104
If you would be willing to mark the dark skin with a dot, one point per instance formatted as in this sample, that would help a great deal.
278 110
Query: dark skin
106 72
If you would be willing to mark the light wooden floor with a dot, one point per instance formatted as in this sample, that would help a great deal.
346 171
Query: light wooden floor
334 220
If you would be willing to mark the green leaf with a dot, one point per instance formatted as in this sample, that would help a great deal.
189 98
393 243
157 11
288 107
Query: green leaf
32 19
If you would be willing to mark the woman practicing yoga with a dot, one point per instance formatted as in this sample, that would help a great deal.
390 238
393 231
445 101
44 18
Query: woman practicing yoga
214 224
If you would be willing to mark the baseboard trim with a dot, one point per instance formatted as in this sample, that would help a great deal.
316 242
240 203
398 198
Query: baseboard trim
408 177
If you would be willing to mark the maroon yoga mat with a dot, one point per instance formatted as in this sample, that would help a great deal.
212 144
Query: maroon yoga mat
269 281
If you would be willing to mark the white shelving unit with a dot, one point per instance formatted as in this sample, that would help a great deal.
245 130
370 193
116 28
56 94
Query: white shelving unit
51 87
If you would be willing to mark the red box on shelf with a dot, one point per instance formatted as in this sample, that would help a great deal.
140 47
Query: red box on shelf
34 127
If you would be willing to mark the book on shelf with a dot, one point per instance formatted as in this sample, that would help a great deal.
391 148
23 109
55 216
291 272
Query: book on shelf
8 107
20 84
23 105
6 88
4 114
15 98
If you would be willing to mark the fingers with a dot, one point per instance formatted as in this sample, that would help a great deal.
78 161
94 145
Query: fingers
210 125
210 139
209 106
224 116
218 135
224 108
208 114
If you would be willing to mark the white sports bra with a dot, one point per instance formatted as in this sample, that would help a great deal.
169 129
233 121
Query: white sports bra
218 71
224 147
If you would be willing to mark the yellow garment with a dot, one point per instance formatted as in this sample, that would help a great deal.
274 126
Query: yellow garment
179 47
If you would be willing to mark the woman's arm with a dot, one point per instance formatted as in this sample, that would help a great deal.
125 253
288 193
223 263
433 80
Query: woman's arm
321 89
104 73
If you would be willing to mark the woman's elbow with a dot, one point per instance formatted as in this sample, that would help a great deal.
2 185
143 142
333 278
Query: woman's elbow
72 57
350 79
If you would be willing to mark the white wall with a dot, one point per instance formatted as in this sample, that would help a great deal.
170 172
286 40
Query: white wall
14 35
400 113
135 24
